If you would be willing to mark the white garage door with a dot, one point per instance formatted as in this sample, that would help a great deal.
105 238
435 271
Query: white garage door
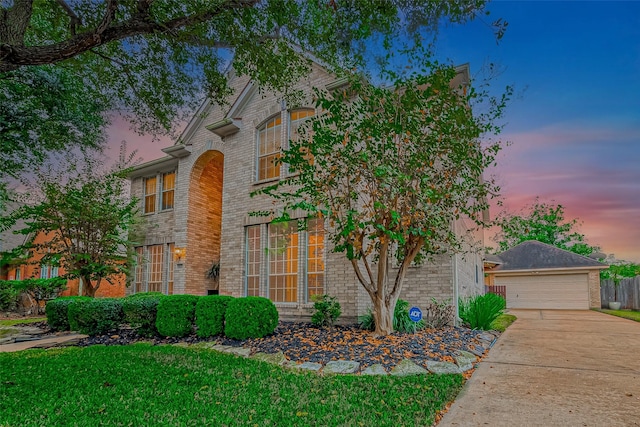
555 291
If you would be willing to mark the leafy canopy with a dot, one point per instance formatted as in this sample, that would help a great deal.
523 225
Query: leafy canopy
392 168
85 215
65 64
544 222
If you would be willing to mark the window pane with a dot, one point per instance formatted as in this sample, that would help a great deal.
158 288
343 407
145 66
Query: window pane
269 138
283 262
150 195
154 283
170 269
253 261
315 257
168 189
138 271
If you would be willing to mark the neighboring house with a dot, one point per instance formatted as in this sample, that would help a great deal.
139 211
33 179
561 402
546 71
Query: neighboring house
540 276
196 204
33 268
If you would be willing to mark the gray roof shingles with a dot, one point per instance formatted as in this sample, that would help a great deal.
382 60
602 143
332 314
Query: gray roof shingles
534 255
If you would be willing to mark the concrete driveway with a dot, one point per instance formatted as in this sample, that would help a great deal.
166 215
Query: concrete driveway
556 368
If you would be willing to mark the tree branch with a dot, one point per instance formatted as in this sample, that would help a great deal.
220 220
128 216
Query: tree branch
14 56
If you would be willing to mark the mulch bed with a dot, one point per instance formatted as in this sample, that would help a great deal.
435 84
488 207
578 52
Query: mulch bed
302 342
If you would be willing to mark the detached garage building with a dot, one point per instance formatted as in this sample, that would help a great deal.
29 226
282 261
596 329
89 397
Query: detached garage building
540 276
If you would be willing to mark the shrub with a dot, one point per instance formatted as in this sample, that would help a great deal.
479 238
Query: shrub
439 314
210 315
95 316
57 312
145 295
478 312
327 310
140 312
176 314
401 320
8 295
250 317
42 290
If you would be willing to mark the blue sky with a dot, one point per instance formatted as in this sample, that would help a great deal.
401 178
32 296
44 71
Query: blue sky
574 125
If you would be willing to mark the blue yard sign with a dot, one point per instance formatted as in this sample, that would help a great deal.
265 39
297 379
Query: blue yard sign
415 314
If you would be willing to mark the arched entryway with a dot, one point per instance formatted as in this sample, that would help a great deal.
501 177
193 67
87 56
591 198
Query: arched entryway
204 222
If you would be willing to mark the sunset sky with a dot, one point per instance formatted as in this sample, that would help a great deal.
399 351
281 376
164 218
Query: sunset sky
574 125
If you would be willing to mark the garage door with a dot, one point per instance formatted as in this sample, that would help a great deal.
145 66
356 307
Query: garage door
555 291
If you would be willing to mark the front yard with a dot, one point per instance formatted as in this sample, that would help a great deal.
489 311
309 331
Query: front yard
627 314
143 384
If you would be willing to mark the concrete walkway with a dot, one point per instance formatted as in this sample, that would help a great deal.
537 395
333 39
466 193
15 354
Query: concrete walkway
57 341
556 368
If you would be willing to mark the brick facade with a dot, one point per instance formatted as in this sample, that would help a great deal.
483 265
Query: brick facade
215 177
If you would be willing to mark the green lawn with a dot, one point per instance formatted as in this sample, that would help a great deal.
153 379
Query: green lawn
143 384
11 322
627 314
502 322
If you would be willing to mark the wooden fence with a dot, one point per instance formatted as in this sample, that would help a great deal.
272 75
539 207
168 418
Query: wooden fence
498 290
628 293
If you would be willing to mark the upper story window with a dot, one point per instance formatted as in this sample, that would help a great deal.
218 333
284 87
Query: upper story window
270 137
150 195
168 190
269 143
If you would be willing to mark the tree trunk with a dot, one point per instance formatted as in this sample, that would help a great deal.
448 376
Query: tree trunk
89 290
383 315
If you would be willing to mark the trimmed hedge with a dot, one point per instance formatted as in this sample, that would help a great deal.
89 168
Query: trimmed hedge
140 312
250 317
57 312
210 314
176 314
145 295
95 316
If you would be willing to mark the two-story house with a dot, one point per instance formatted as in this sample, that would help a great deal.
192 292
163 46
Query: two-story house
196 204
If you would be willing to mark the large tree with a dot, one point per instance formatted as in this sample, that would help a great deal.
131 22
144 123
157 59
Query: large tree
65 63
86 215
392 169
544 222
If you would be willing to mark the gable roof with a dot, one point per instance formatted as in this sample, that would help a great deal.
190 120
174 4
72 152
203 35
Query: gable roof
534 255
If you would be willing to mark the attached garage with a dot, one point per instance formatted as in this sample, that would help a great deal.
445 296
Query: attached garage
548 291
535 275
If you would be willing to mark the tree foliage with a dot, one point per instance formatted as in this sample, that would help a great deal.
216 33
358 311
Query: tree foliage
65 63
544 222
392 168
85 215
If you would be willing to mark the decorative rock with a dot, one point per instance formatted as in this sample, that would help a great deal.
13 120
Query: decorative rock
477 351
274 358
23 338
376 369
341 367
307 366
443 368
239 351
221 348
486 336
407 367
465 360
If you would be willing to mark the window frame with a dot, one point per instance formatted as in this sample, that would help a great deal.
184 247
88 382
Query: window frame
275 154
147 195
166 191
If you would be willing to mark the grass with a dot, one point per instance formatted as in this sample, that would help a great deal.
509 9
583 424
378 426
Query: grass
11 322
627 314
143 384
503 322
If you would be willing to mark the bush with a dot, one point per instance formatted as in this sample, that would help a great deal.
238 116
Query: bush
140 312
176 314
145 295
478 312
401 320
250 317
439 314
327 310
8 295
210 315
95 316
42 290
57 312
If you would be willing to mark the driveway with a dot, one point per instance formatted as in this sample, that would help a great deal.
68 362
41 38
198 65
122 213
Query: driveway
556 368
